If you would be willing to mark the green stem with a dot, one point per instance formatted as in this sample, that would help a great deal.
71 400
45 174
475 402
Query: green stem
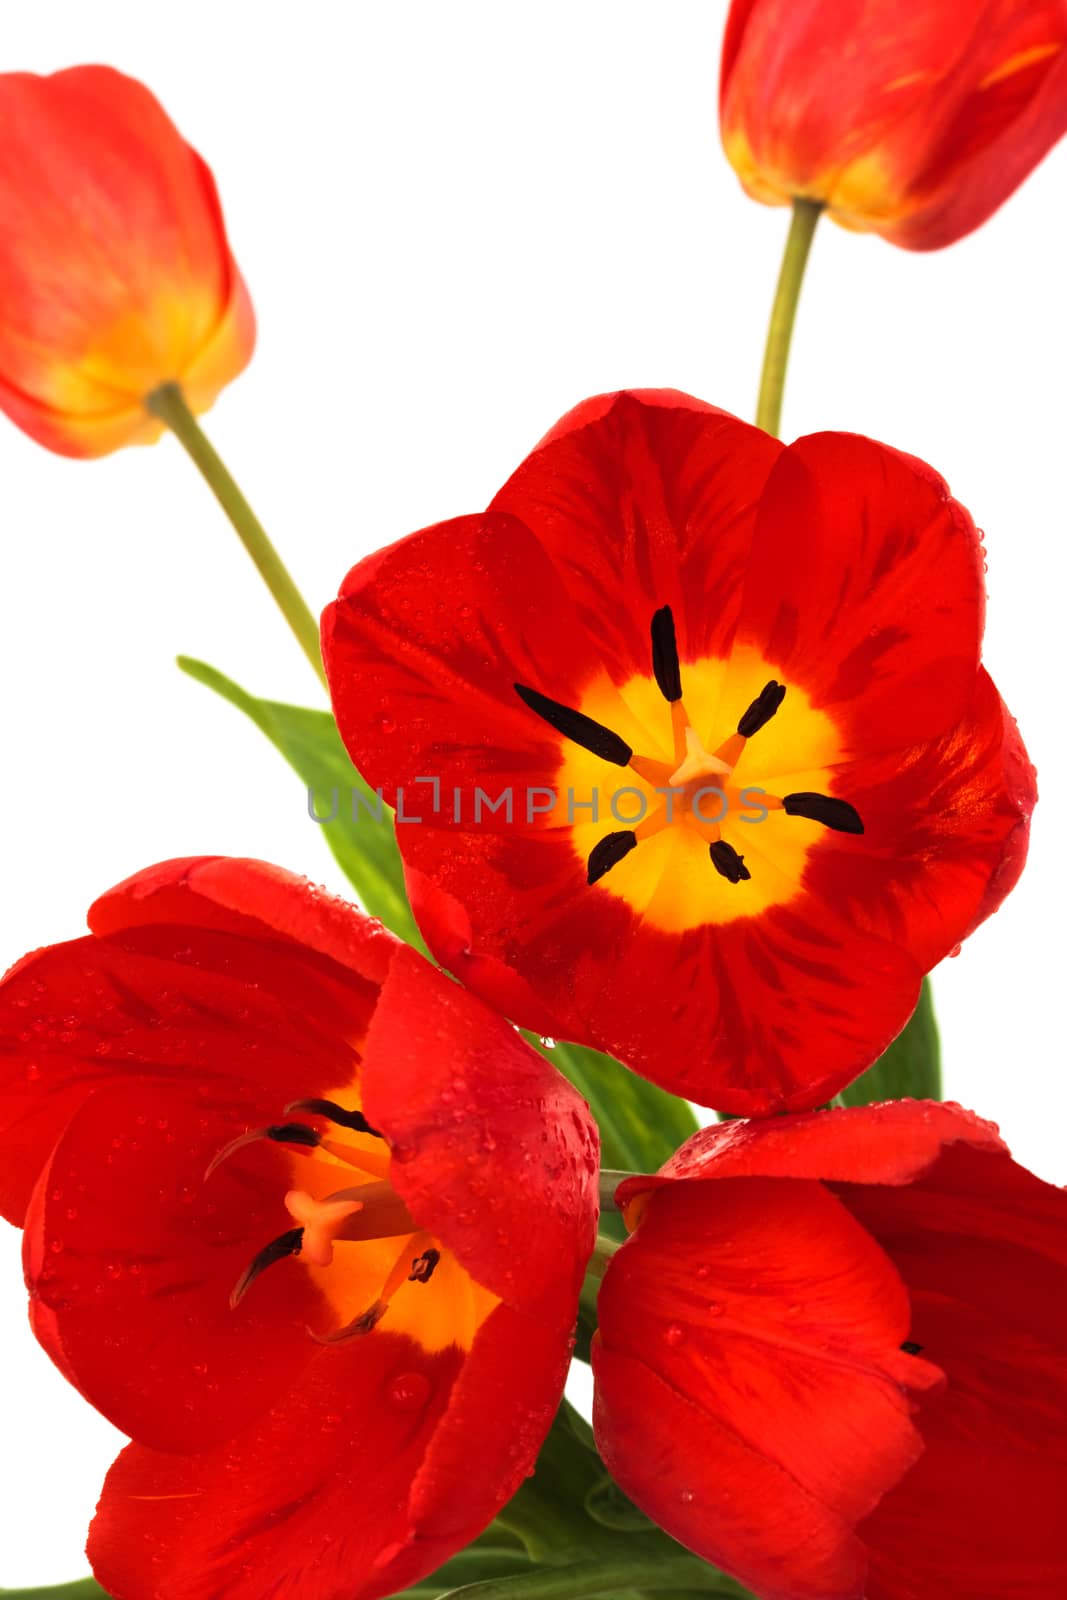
169 404
610 1179
783 314
590 1578
603 1251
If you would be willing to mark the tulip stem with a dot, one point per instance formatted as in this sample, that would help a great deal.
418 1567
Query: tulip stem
783 314
169 404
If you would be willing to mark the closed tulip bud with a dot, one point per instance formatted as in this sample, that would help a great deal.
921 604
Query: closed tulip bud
116 275
913 121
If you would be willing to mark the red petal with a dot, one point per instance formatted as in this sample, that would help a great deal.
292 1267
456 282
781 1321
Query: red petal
201 966
237 895
982 1246
890 647
424 648
765 1013
772 1325
378 1466
130 1260
116 275
946 827
643 500
493 1151
888 1144
1012 111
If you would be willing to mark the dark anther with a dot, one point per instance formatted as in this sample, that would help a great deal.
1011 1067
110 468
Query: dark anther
577 727
910 1348
355 1120
762 709
366 1322
727 862
608 852
422 1268
665 654
292 1133
287 1244
836 814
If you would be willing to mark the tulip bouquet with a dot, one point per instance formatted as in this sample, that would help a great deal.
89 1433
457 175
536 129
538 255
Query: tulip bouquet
680 753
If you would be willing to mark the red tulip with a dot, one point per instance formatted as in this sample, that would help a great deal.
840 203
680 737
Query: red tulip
761 665
832 1358
115 272
913 121
303 1218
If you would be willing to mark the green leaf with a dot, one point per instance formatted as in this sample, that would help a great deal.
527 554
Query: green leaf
361 834
628 1572
548 1512
81 1589
480 1562
910 1069
607 1504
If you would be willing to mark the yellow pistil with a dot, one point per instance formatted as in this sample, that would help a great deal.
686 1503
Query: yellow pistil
321 1221
698 763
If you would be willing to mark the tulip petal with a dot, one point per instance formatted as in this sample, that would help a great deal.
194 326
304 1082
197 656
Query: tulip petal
379 1465
117 276
130 1259
890 647
179 980
888 1144
643 500
752 1395
981 1245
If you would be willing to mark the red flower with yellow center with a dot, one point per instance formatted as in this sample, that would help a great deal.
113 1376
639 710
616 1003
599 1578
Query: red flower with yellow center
832 1357
915 122
303 1218
115 272
706 770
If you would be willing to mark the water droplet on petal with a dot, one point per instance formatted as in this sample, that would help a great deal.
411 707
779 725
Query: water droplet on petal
409 1390
674 1334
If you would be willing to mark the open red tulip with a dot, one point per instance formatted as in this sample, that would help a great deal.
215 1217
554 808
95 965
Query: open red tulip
913 121
303 1218
116 276
832 1357
750 782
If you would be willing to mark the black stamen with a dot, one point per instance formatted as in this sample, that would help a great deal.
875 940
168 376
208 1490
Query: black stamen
577 727
836 814
423 1267
608 852
665 654
762 709
910 1348
354 1120
366 1322
287 1244
293 1133
727 863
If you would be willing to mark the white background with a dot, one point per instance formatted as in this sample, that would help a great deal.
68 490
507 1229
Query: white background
457 220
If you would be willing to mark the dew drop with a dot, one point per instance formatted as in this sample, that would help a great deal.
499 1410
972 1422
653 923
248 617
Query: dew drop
674 1335
386 723
686 1496
548 1042
714 1309
409 1390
